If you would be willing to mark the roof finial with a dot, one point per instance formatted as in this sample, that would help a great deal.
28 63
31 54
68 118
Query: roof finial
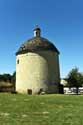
37 31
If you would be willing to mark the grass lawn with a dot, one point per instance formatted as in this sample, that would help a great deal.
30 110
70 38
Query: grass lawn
17 109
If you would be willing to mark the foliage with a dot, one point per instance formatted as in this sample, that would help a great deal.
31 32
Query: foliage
14 77
75 78
8 77
5 78
18 109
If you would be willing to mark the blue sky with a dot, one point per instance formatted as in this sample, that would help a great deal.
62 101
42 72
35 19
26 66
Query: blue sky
61 21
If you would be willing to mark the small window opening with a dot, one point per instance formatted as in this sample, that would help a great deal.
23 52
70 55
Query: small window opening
36 33
18 61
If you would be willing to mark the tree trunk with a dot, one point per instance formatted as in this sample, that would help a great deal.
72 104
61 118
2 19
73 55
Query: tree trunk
77 90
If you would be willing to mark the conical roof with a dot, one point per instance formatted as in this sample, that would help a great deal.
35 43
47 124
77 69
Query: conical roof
36 43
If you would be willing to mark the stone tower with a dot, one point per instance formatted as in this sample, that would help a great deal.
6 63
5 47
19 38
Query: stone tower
37 66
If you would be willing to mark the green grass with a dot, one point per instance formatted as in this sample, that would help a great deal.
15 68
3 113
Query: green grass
17 109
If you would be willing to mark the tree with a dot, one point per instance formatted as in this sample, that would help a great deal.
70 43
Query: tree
75 79
14 80
5 78
14 77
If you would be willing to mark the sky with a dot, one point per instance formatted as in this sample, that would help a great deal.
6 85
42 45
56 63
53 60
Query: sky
61 21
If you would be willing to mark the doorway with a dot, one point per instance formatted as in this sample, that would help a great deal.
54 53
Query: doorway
29 91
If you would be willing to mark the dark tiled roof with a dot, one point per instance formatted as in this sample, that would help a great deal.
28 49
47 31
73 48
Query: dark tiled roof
36 44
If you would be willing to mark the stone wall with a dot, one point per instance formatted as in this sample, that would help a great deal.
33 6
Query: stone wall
35 71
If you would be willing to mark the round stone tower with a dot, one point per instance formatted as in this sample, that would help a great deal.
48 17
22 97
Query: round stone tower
37 66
